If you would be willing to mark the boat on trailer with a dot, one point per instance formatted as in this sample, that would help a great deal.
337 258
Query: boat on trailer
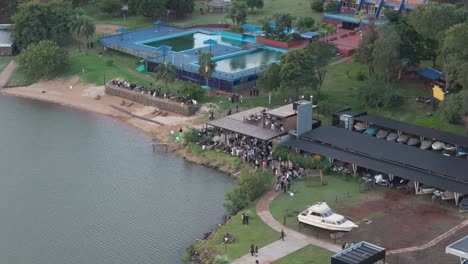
402 139
413 141
371 131
382 133
392 137
449 148
462 151
426 144
437 145
359 126
321 215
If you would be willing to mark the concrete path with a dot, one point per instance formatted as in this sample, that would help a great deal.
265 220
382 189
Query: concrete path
276 250
6 73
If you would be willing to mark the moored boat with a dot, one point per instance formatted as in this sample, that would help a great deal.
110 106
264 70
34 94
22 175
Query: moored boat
437 145
426 144
382 133
321 215
371 131
359 126
402 139
413 141
392 137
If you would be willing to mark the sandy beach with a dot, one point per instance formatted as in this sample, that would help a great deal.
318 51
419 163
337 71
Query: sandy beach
71 92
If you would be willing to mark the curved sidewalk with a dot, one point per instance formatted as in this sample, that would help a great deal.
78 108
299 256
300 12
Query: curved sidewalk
6 73
293 241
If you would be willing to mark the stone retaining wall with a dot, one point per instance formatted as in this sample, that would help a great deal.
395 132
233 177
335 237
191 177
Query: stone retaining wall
165 105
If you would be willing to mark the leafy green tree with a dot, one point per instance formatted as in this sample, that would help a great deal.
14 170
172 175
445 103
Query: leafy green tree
109 6
270 80
254 4
317 5
36 21
305 23
235 201
10 8
44 59
284 23
83 26
254 183
298 71
181 7
360 15
374 94
193 91
147 8
413 46
166 72
238 12
453 107
207 66
331 6
454 53
386 54
323 53
392 15
366 47
431 20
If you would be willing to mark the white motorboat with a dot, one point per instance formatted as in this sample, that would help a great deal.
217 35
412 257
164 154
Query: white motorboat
359 126
426 144
321 215
392 137
437 145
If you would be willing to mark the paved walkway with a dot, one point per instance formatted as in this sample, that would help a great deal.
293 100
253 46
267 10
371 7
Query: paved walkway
276 250
6 73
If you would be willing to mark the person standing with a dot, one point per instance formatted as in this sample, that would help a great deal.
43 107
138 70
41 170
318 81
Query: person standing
252 250
256 251
246 217
237 108
282 235
243 218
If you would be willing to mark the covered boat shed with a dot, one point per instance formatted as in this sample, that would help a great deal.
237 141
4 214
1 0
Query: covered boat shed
403 127
459 249
361 253
431 73
387 157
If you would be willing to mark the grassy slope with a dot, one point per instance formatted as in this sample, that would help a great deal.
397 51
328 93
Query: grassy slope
4 61
307 255
257 233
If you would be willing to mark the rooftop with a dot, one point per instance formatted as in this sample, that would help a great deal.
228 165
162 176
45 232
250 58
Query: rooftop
361 253
458 248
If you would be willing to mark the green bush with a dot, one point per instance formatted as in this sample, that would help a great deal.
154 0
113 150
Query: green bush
305 23
361 76
317 5
453 107
189 136
109 62
331 6
194 148
254 183
109 6
193 91
43 59
235 201
393 99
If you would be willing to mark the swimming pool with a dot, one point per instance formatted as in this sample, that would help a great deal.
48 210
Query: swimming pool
194 40
247 60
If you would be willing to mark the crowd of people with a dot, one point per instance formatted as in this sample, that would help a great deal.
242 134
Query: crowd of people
251 150
286 173
149 90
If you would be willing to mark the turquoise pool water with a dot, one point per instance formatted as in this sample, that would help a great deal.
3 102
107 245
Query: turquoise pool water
248 60
195 40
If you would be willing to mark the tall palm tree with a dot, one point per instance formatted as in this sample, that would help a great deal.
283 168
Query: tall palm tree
166 72
83 25
207 66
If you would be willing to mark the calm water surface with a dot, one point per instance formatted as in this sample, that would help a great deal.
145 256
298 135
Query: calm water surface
79 188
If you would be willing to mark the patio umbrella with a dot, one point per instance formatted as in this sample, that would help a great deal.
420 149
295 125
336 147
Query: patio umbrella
210 42
164 48
158 23
121 31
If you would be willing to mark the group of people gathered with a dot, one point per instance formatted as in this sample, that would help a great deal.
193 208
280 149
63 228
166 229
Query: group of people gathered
149 90
286 173
257 152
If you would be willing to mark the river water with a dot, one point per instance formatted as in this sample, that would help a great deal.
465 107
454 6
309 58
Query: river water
80 188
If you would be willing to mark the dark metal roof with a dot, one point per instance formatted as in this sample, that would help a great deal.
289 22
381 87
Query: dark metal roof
361 253
429 133
387 157
430 73
458 248
244 128
349 111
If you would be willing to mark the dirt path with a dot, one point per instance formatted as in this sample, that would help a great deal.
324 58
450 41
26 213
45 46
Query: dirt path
6 73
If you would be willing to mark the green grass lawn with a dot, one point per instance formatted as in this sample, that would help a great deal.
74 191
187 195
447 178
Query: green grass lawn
340 90
307 255
338 189
19 78
257 232
4 62
298 8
